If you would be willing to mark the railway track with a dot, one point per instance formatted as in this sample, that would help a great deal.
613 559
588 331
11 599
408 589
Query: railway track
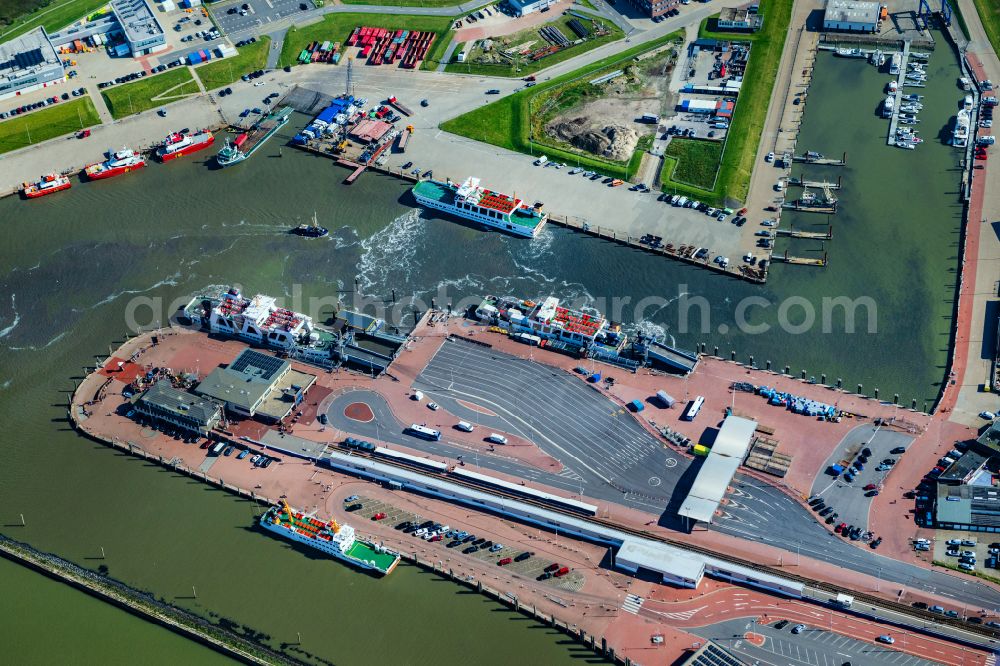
922 618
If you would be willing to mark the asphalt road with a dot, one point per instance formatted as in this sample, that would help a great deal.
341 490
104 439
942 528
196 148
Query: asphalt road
813 647
603 445
848 499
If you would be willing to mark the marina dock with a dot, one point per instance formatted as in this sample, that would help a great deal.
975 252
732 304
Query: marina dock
898 95
814 235
829 209
822 161
800 261
819 184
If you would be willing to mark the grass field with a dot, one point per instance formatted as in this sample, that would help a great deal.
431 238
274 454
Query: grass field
733 181
338 27
218 73
526 68
47 123
150 92
697 161
54 16
505 122
989 13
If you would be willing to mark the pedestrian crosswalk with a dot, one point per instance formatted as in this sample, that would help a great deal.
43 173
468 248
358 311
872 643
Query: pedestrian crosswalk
632 604
991 660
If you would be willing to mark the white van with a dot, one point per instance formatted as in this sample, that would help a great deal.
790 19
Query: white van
541 160
464 426
496 439
418 395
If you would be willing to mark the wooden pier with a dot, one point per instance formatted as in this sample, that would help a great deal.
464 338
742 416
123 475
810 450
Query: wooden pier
819 184
800 261
822 161
823 208
814 235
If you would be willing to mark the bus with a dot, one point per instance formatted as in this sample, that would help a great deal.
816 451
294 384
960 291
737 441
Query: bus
693 408
423 432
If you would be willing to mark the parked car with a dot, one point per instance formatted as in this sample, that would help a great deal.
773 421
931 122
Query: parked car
798 629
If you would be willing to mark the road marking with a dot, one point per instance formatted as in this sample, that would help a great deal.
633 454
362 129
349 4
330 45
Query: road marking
632 604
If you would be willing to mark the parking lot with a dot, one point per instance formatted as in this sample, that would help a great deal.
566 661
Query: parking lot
532 567
850 499
250 14
969 549
812 647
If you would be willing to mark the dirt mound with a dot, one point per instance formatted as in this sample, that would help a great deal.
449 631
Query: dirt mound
614 142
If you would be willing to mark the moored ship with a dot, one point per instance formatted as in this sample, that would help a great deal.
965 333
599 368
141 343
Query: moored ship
960 135
489 208
179 144
330 537
118 162
248 142
48 184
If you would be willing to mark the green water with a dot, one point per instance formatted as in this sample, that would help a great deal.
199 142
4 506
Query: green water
74 263
47 622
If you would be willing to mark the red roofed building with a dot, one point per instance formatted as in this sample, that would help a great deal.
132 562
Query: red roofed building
368 131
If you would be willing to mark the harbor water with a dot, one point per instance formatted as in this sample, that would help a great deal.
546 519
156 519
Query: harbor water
74 265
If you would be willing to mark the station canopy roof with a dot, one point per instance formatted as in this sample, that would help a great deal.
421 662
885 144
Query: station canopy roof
716 473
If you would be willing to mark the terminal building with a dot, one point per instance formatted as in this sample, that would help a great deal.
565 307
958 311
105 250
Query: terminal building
257 385
716 473
851 16
27 63
143 33
168 406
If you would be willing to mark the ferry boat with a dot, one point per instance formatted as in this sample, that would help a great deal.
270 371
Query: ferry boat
330 537
311 230
472 202
360 341
960 135
178 144
48 184
118 162
559 326
248 142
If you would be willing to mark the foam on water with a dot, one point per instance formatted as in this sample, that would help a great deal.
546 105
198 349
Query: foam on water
17 319
389 257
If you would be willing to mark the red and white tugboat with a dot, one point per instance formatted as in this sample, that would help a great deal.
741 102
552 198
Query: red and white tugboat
178 144
48 184
118 162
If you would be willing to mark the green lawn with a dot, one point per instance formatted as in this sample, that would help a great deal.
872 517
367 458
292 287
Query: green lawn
989 13
505 123
217 73
527 67
733 181
150 92
338 27
696 160
47 123
53 16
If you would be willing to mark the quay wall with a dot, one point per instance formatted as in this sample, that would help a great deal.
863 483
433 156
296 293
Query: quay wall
141 604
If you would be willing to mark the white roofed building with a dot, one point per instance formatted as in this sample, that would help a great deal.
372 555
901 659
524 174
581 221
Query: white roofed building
716 473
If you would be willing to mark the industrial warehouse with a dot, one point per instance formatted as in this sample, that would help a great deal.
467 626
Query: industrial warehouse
27 63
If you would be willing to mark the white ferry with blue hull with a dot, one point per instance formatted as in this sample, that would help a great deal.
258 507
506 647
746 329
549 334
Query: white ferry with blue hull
472 202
